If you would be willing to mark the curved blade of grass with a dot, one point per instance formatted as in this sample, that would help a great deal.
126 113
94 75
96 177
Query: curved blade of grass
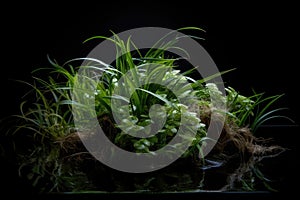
118 97
157 46
102 37
190 28
38 91
201 81
259 121
273 99
156 95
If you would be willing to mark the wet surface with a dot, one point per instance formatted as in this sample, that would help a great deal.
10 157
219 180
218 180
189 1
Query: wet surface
279 173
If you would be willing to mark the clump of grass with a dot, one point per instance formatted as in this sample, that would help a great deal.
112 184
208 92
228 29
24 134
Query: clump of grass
54 159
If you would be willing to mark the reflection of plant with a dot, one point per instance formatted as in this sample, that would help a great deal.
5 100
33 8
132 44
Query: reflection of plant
54 159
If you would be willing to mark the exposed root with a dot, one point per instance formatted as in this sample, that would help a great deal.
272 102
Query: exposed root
234 143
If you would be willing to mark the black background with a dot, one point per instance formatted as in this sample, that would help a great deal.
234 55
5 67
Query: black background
260 40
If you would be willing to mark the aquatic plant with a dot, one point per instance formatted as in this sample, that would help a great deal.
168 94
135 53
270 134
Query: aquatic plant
52 157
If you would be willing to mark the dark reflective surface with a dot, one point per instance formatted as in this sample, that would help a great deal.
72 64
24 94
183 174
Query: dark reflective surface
280 173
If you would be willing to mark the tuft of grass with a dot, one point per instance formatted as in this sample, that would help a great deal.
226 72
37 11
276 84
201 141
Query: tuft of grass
252 111
53 158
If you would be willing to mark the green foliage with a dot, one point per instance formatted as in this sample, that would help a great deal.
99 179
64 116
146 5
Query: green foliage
48 123
252 111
